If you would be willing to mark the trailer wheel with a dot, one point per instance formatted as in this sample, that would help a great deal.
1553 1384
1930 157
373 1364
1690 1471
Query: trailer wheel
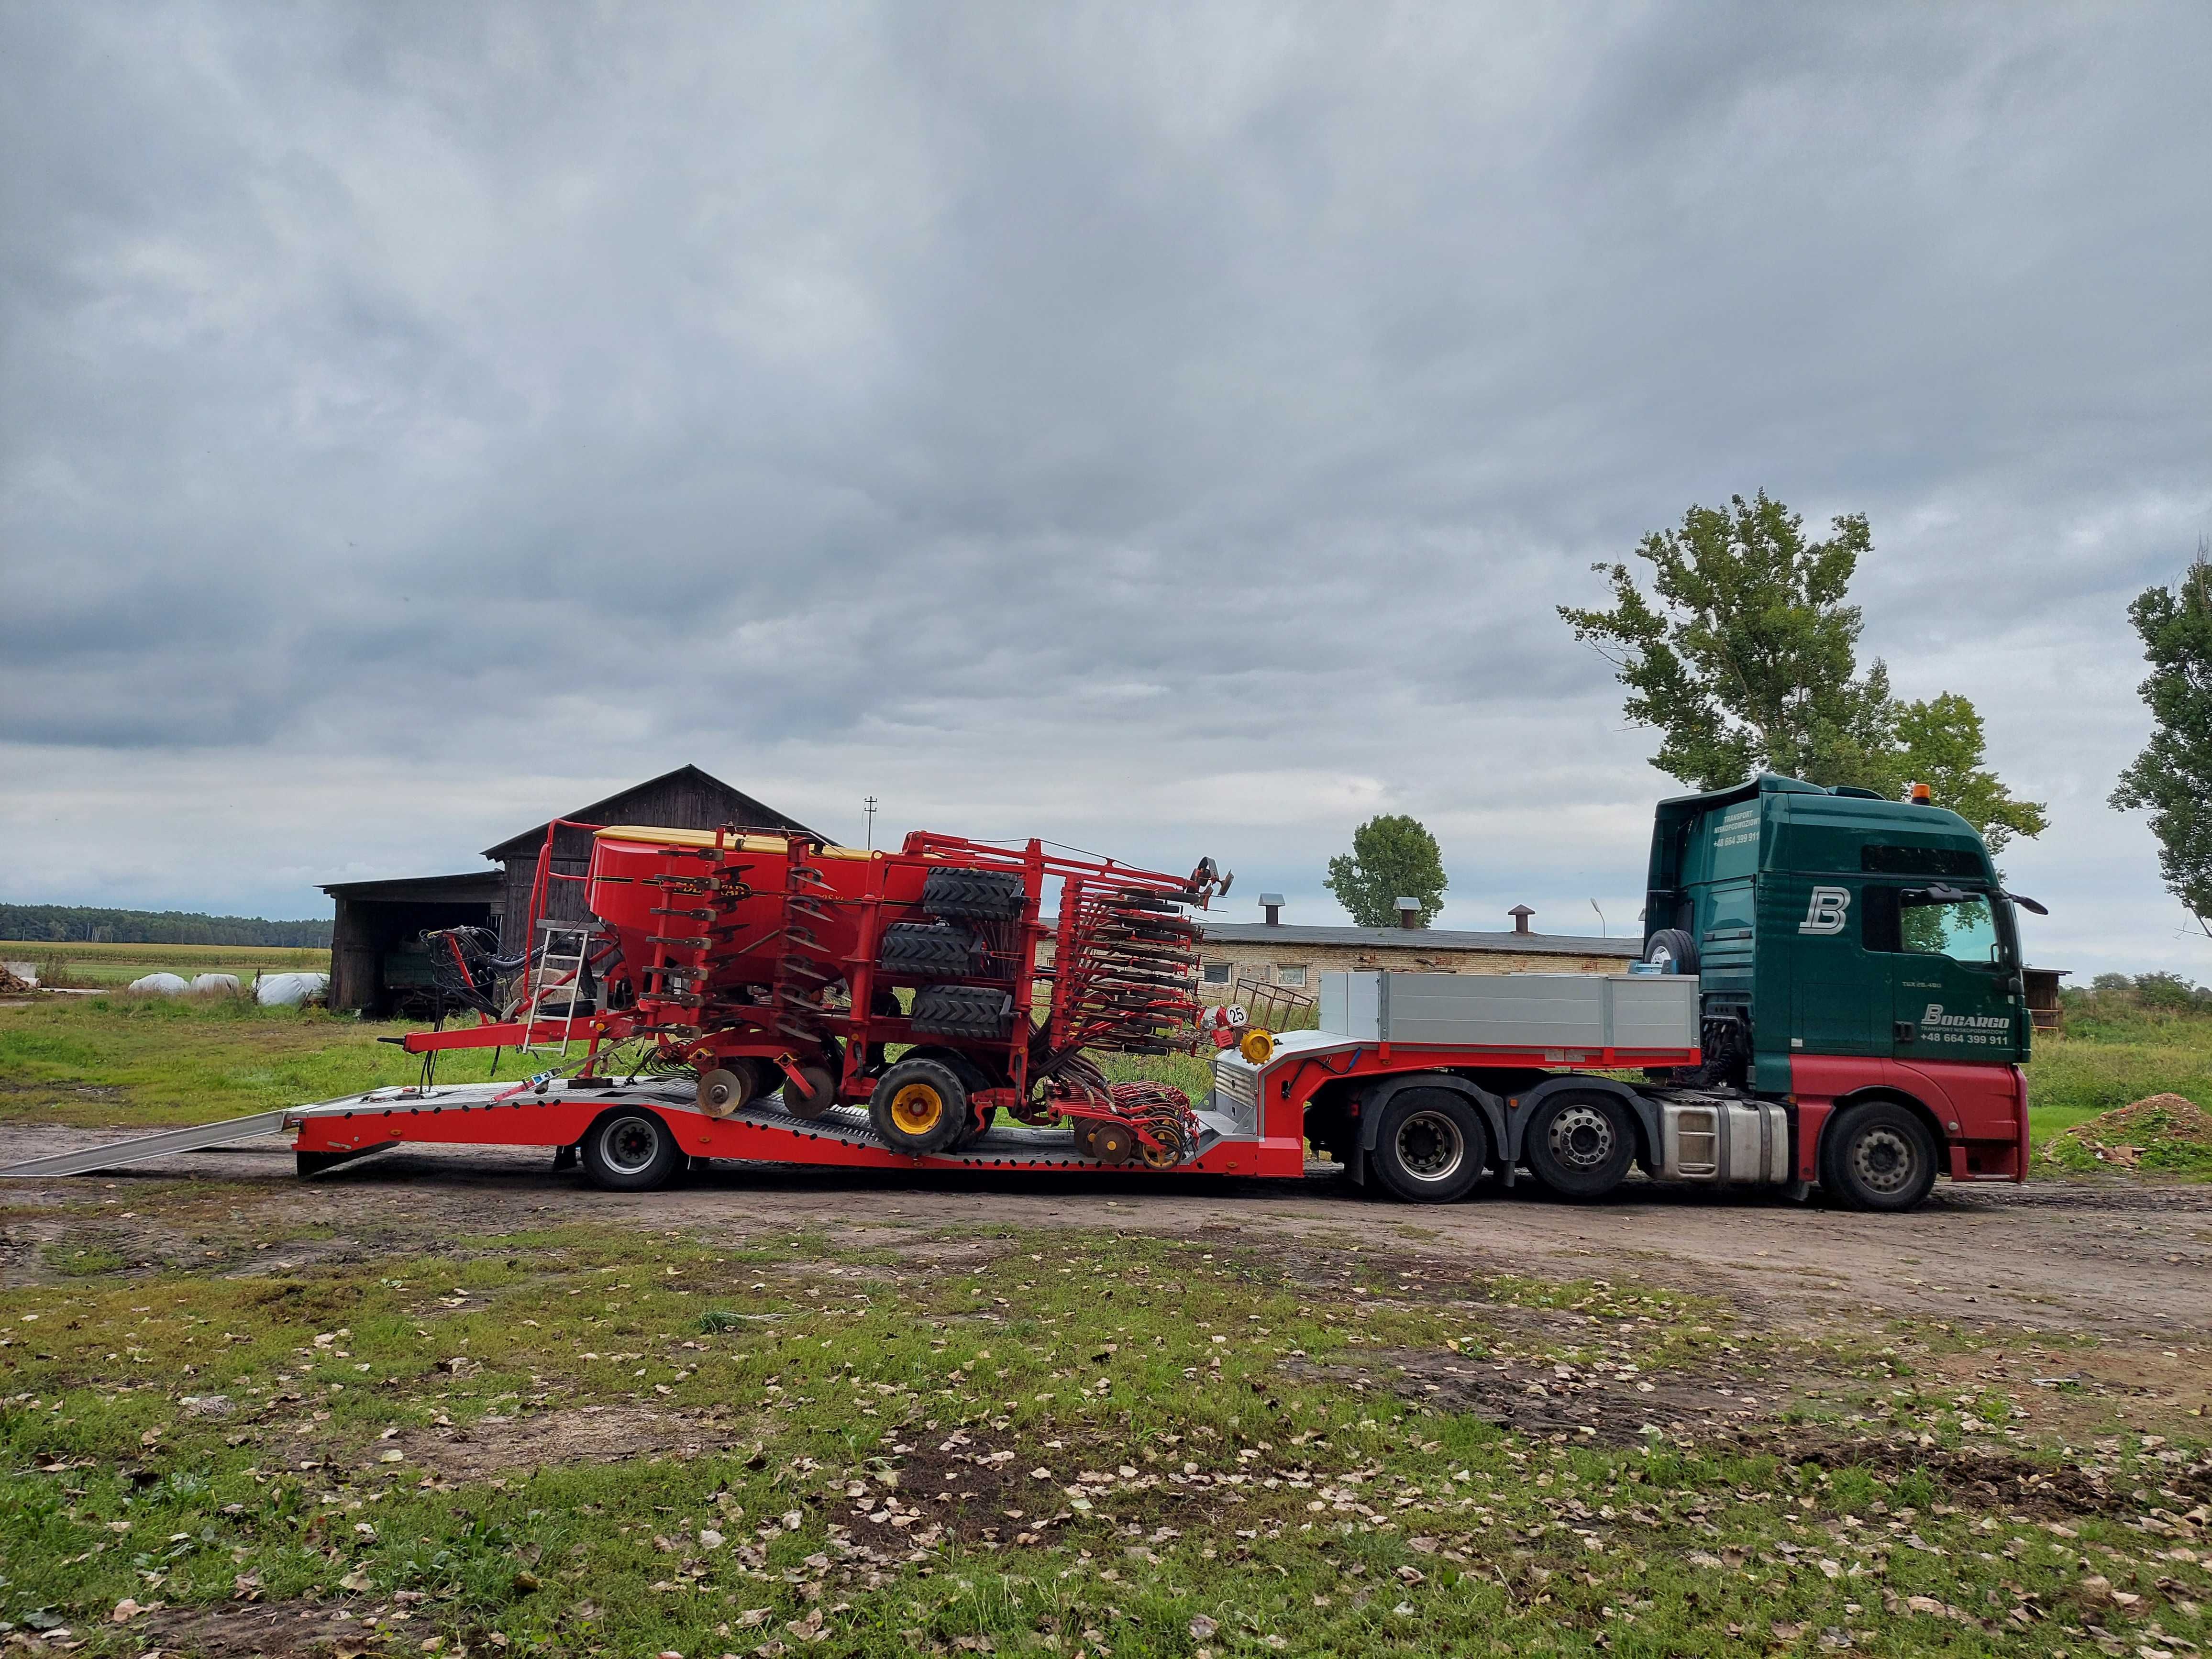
920 1106
991 894
1878 1156
1430 1147
1580 1146
631 1150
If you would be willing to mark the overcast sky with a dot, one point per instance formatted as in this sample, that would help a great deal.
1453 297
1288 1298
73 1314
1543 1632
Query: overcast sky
1165 431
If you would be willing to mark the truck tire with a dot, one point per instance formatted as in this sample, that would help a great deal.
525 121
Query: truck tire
990 895
1431 1146
630 1150
1673 950
1878 1156
1580 1143
974 1012
937 950
919 1107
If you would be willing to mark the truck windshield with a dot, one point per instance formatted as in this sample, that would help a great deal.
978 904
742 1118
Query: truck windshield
1942 922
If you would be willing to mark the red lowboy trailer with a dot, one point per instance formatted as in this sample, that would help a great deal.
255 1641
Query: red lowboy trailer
771 1000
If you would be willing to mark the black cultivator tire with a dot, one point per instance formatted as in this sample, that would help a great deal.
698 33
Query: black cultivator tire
977 1013
937 950
992 894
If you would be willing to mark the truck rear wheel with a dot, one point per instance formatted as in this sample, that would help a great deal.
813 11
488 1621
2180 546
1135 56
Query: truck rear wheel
1580 1144
920 1106
1430 1147
630 1150
1878 1156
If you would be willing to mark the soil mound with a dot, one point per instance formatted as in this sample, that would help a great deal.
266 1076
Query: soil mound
2159 1131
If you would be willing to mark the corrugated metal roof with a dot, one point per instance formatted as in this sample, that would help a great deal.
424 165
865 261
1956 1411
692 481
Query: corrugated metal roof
1429 940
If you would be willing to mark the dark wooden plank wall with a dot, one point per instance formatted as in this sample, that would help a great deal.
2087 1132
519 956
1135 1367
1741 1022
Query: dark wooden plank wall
675 804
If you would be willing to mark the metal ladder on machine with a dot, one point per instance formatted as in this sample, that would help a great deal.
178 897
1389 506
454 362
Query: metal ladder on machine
541 980
542 960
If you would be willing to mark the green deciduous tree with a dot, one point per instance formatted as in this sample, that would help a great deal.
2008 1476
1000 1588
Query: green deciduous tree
1744 656
1392 856
2171 779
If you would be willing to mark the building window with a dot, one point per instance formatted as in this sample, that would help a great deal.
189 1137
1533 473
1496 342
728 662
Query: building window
1215 973
1293 975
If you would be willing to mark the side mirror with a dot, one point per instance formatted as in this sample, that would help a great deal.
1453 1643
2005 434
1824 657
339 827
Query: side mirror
2027 904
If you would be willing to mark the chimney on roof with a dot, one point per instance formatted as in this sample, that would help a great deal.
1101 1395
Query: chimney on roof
1409 913
1271 903
1520 912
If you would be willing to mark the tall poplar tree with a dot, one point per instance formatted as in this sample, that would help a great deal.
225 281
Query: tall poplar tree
2171 779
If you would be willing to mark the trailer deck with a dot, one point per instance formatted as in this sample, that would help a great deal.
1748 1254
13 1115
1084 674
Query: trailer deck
331 1132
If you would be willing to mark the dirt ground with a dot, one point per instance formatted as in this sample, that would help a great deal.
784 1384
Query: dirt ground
2128 1263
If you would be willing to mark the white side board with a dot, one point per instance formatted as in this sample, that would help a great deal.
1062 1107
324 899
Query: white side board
1513 1010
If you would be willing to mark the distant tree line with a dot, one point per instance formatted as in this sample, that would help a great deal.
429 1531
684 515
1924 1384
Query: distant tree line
84 924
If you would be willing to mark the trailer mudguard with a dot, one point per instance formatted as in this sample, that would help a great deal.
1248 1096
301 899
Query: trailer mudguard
1372 1102
1522 1107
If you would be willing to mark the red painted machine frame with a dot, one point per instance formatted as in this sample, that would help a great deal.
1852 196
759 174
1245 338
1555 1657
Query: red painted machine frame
774 920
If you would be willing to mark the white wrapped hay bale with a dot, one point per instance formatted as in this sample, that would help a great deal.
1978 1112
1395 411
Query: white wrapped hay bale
290 990
158 985
226 983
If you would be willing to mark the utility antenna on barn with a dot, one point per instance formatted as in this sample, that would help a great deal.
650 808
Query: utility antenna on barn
871 804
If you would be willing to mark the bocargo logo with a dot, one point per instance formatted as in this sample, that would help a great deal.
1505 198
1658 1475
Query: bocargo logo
1935 1019
1825 914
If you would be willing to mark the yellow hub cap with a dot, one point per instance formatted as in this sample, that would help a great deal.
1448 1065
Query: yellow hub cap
916 1109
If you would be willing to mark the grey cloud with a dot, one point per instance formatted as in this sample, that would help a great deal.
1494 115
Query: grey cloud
1147 427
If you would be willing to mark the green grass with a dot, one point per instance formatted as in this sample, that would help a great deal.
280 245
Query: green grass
126 1061
212 1442
2101 1062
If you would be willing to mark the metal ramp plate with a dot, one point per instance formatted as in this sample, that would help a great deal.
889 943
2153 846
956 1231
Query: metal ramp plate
141 1149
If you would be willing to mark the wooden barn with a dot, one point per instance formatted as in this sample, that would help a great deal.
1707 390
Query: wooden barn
377 965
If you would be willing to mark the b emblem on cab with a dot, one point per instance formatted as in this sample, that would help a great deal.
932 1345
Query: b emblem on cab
1825 914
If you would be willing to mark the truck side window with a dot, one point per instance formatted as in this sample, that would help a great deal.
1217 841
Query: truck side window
1941 924
1880 860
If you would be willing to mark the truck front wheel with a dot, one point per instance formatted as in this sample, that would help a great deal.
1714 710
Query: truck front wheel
1878 1156
1430 1147
1580 1146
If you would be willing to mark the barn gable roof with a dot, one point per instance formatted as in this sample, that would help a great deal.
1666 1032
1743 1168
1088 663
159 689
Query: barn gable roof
729 804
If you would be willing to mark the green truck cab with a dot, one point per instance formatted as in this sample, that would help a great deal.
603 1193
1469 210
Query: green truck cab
1851 953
